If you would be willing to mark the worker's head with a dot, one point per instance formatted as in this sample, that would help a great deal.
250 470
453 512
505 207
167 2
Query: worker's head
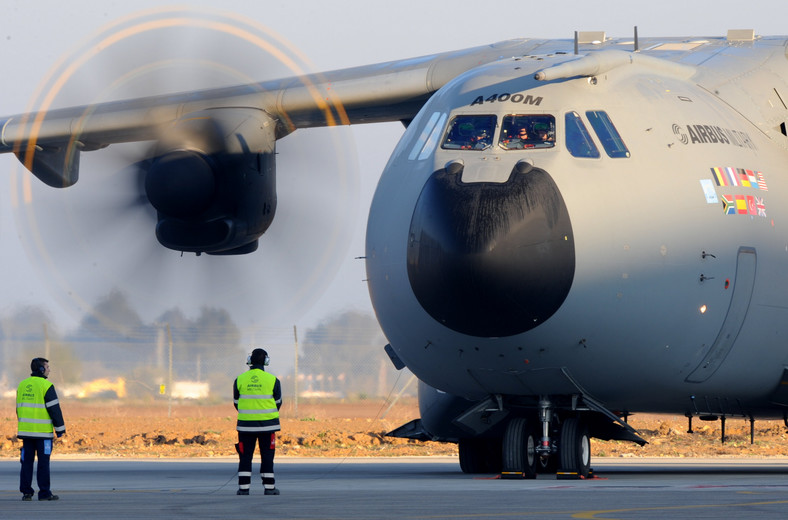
39 367
258 357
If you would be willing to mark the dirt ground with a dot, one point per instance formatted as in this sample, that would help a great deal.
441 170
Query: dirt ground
344 429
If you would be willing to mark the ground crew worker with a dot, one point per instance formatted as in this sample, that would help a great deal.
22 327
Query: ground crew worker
257 396
40 418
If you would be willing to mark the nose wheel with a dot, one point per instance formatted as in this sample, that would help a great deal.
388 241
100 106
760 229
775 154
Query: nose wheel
531 445
574 449
519 450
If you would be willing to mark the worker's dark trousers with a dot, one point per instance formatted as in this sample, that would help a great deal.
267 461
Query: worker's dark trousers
245 447
31 448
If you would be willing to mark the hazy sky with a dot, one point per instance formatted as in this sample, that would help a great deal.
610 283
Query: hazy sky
332 34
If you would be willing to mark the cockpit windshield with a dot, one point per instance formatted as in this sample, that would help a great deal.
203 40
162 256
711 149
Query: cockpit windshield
470 132
520 131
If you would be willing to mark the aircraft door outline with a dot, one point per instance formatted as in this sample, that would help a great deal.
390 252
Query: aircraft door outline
746 267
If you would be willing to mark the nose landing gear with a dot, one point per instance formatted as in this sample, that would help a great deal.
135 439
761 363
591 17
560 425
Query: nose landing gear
548 435
524 456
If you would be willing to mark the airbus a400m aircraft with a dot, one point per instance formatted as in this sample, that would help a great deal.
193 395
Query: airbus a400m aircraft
568 232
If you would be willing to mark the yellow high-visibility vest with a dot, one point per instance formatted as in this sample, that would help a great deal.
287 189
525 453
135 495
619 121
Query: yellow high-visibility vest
257 409
31 410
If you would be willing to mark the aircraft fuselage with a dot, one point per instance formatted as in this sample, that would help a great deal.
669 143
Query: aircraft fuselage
649 275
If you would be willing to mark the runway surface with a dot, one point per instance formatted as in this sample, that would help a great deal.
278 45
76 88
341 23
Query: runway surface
402 488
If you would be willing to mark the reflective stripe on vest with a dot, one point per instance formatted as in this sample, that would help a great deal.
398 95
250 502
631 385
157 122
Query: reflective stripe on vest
33 416
256 402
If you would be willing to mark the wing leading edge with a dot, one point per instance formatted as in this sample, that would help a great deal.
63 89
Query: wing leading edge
49 142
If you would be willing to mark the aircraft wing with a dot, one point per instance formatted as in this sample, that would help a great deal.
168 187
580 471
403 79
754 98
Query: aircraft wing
49 142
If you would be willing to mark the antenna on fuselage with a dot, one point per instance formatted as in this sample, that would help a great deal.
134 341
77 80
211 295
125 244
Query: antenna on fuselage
577 45
637 44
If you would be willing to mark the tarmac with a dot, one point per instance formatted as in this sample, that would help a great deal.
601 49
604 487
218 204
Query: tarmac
401 488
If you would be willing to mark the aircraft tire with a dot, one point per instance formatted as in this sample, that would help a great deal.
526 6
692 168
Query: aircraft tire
519 448
575 447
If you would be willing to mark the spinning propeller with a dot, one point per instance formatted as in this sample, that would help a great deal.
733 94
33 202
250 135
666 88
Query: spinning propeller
194 186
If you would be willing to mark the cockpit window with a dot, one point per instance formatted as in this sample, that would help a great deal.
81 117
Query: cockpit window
470 133
607 133
520 131
578 141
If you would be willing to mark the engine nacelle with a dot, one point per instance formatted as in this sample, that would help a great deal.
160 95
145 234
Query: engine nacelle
212 180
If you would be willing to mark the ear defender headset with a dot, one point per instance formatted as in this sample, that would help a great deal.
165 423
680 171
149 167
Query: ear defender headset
258 357
37 365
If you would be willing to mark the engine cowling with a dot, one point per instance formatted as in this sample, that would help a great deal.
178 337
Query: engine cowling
212 179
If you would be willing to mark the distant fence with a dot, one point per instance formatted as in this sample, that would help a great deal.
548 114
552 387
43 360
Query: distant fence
150 369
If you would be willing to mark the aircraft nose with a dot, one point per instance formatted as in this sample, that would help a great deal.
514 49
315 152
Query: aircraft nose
491 259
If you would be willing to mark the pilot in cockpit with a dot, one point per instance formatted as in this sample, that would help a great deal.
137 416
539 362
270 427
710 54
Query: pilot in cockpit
522 134
521 141
517 141
543 135
481 140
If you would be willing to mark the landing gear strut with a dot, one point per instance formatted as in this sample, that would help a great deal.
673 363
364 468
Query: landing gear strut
524 456
545 415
